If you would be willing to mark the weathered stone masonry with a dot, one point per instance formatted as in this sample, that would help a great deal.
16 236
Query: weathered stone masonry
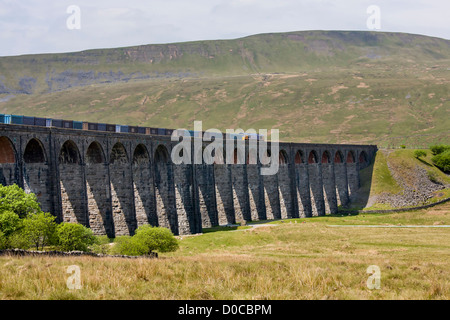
116 182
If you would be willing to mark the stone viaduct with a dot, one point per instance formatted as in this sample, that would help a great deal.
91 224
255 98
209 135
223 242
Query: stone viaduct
115 182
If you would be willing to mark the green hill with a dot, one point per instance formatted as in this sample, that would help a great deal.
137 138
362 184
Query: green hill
315 86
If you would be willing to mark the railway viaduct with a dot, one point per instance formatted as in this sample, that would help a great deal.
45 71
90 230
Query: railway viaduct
115 182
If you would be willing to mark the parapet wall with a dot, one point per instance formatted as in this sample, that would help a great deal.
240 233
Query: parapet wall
115 182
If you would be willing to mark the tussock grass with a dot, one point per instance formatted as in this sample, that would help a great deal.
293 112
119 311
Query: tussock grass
290 260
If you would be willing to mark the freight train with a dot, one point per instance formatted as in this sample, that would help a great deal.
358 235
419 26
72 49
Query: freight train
93 126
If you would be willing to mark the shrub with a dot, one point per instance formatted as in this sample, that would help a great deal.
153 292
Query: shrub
13 198
74 236
403 146
419 153
131 246
40 228
442 161
156 238
146 240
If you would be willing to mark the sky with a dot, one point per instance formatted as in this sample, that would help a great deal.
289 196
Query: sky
51 26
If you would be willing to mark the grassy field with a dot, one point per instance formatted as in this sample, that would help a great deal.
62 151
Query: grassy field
290 259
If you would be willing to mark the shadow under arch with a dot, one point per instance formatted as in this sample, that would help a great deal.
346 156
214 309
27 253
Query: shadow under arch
144 190
71 183
164 190
36 173
98 191
122 198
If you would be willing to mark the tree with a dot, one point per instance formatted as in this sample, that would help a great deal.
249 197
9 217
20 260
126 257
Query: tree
15 199
440 148
40 228
74 236
9 223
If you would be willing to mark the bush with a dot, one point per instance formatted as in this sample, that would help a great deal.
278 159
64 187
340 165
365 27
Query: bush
74 236
438 149
419 153
442 161
15 199
146 240
131 246
40 229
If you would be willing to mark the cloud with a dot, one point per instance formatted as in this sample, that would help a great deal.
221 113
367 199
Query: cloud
32 26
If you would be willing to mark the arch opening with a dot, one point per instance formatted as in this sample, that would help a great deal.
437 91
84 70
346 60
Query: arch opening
95 153
118 154
69 153
298 157
34 152
282 157
7 154
326 157
350 157
312 158
338 157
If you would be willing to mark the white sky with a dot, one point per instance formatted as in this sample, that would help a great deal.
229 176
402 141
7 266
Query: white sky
32 26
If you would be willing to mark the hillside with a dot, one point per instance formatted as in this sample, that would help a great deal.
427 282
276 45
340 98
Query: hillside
396 179
315 86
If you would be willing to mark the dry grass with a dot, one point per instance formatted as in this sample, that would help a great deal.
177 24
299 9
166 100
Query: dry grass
308 260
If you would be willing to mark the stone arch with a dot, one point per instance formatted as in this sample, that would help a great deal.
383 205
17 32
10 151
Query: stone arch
164 190
219 156
34 152
140 155
326 157
338 157
36 173
282 157
98 191
7 153
363 157
122 198
95 154
69 153
340 173
161 154
143 185
73 200
312 158
350 157
299 157
118 154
